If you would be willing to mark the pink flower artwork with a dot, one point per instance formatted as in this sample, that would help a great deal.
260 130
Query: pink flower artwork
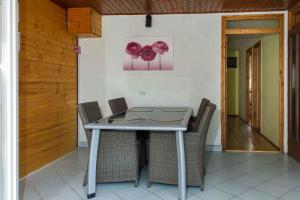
133 49
148 53
160 47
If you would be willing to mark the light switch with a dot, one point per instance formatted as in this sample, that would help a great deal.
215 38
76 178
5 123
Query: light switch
142 92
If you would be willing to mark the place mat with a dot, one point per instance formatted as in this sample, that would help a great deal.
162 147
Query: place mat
177 110
141 110
163 120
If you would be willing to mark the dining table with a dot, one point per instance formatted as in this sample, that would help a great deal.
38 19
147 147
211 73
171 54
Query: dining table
163 119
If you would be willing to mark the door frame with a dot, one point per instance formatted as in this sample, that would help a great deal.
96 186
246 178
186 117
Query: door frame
227 31
9 72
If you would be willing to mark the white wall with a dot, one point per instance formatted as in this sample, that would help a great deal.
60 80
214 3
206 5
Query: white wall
197 65
1 112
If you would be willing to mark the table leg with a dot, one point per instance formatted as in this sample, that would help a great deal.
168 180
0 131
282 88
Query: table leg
92 168
181 165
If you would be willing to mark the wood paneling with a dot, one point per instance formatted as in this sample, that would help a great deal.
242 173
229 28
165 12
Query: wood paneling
48 85
84 22
128 7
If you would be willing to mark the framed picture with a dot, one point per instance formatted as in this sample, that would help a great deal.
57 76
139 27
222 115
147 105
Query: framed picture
148 53
231 62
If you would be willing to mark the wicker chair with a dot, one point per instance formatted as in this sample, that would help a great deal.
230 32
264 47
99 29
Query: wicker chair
195 121
163 154
118 105
118 151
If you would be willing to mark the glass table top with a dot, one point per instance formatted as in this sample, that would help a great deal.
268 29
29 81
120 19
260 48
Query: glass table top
147 118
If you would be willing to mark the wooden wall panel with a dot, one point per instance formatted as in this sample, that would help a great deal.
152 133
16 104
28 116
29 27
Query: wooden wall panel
48 85
294 15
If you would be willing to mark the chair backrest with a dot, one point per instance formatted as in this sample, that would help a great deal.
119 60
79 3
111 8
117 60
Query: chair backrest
89 112
118 105
205 122
203 104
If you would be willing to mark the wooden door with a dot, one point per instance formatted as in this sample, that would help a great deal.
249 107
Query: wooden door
249 86
256 85
294 90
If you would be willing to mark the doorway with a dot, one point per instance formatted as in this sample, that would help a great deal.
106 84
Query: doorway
257 64
246 27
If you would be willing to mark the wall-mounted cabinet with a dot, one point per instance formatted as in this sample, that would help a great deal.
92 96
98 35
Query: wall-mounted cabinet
84 22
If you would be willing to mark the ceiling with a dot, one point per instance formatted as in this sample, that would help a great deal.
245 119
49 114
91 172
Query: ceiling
128 7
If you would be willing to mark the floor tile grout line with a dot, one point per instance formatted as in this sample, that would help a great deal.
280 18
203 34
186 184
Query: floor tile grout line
55 171
285 170
246 173
36 190
117 195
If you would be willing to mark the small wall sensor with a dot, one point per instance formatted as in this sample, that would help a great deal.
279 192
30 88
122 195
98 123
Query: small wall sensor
148 21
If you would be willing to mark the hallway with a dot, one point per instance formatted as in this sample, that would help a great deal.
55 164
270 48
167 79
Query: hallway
240 136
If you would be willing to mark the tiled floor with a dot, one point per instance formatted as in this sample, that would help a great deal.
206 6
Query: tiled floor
236 176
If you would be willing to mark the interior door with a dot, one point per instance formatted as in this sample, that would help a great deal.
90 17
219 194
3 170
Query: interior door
249 86
256 85
294 90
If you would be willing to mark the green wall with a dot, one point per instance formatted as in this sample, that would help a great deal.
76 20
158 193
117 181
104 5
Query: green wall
270 88
233 85
242 84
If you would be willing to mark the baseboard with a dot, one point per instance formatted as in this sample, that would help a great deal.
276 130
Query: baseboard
45 166
82 144
207 147
213 147
269 141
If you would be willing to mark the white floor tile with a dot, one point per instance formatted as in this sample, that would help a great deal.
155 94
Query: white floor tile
27 191
262 174
108 196
236 176
227 173
52 187
255 195
232 188
214 194
293 195
167 194
150 197
132 193
286 181
272 189
65 194
247 180
155 187
212 179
